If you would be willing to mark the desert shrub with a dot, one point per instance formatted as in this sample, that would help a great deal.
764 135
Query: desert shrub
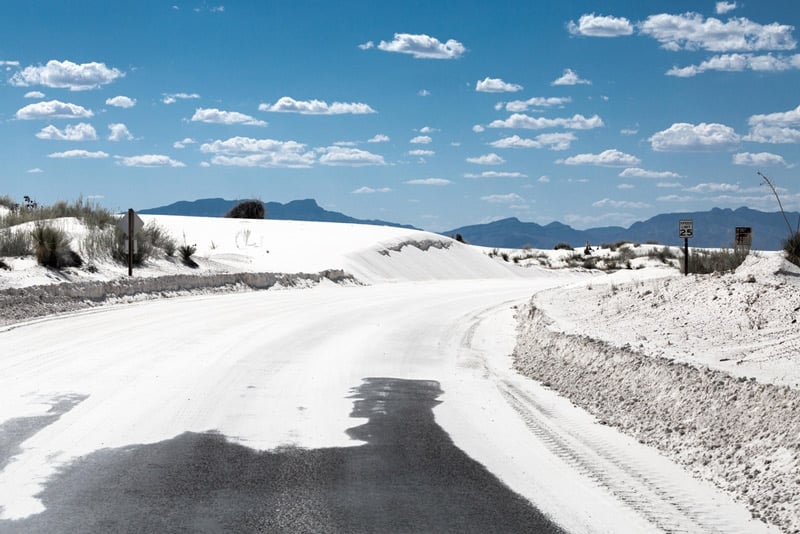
460 238
611 265
626 254
504 255
89 212
663 254
248 209
652 242
4 266
589 262
714 261
563 246
159 237
186 252
8 202
792 248
52 247
14 243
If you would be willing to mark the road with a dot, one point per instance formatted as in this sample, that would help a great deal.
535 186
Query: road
388 408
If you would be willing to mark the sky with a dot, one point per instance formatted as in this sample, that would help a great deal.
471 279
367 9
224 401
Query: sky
436 114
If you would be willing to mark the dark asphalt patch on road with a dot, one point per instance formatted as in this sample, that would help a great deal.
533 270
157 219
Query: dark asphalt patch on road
408 477
15 431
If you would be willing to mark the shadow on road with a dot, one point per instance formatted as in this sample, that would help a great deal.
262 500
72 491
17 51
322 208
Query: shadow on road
408 477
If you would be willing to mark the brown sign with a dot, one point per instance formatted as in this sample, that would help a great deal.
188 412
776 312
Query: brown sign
744 236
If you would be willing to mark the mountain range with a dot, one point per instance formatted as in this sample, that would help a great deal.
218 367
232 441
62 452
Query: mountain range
713 228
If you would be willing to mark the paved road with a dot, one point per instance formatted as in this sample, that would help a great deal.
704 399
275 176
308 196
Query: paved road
372 409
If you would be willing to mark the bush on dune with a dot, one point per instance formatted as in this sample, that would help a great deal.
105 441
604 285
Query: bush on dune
247 209
52 247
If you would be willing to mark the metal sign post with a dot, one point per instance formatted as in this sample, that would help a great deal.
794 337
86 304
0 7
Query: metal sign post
686 231
130 223
743 239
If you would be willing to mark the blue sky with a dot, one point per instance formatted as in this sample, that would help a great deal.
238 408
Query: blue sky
436 114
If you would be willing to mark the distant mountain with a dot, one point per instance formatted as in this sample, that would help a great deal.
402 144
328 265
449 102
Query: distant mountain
296 210
714 228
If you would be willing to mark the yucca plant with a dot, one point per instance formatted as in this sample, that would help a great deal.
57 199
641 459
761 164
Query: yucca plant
51 246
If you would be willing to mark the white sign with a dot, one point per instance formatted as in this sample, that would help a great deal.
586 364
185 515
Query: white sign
686 228
138 224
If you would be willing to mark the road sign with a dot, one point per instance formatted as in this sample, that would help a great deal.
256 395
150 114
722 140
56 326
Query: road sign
686 228
123 224
744 236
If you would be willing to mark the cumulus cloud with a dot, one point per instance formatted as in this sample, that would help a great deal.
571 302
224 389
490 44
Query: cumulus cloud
422 46
510 198
713 188
367 46
781 127
478 128
760 159
53 109
369 190
725 7
379 138
8 63
685 137
690 31
287 104
629 131
635 172
249 152
171 98
83 154
34 94
429 181
427 130
496 85
521 120
421 140
66 75
149 161
121 102
543 179
487 159
607 158
216 116
570 77
600 26
609 203
552 141
119 132
423 92
516 106
496 174
184 142
739 63
421 153
80 132
349 157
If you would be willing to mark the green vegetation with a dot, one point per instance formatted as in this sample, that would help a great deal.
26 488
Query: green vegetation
89 212
714 261
52 247
248 209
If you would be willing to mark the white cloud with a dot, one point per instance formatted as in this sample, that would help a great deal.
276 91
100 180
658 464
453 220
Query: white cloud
635 172
53 109
780 119
34 94
423 92
516 106
66 74
608 203
149 160
80 132
423 46
739 63
171 98
626 186
379 138
487 159
7 63
713 188
367 46
576 122
685 137
421 153
496 85
345 143
668 185
35 170
216 116
369 190
349 157
287 104
184 142
478 128
496 174
552 141
510 198
607 158
761 133
121 102
690 31
83 154
676 198
759 159
421 140
543 179
570 77
427 130
725 7
119 132
249 152
629 131
600 26
429 181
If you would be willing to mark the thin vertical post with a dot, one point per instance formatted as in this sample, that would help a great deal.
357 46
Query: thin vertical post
130 241
686 256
